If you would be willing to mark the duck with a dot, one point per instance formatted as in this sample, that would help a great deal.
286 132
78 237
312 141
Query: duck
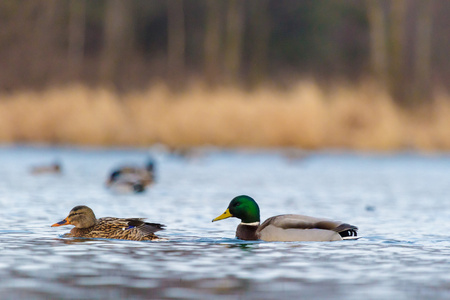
147 173
126 182
132 178
283 228
54 168
88 226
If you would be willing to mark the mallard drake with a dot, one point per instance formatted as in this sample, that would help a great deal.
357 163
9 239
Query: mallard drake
126 183
88 226
131 178
54 168
283 228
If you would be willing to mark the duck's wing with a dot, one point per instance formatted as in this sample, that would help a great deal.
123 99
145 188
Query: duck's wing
133 176
136 224
126 170
303 228
128 177
143 226
127 183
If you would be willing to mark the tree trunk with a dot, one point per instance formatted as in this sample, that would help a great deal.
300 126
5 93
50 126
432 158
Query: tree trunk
212 42
44 39
260 33
233 43
378 45
422 61
77 26
176 42
118 37
397 83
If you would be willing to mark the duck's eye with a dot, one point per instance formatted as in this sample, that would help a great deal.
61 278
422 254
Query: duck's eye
237 204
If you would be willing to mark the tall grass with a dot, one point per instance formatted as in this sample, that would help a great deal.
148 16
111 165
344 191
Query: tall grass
359 116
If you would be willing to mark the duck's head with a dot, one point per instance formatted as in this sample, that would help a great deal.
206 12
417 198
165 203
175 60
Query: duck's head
80 216
242 207
114 176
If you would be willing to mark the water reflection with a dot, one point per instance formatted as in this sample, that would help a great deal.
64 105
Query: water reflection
70 240
244 247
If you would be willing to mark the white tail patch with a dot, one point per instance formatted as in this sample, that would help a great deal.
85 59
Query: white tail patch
351 237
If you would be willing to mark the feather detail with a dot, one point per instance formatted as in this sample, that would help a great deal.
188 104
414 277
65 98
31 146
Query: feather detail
87 226
304 228
116 228
283 228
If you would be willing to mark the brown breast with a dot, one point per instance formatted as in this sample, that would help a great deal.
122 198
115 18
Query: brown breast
247 232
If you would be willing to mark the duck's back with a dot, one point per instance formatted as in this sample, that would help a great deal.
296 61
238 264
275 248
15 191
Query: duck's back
116 228
141 174
291 227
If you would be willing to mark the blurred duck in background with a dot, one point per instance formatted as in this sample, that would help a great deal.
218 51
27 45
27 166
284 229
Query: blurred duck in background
131 179
125 182
54 168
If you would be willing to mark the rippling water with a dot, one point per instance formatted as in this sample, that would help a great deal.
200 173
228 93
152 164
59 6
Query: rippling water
399 202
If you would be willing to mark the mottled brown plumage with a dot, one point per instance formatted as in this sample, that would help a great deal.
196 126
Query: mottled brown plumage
88 226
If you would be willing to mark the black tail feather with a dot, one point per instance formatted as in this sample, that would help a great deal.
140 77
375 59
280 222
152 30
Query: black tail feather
346 230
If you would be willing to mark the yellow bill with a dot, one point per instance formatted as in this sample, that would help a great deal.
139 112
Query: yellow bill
225 215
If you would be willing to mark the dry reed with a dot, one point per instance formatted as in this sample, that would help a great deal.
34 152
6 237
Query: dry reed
359 116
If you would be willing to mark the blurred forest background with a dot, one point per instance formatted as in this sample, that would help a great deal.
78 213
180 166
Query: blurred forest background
367 74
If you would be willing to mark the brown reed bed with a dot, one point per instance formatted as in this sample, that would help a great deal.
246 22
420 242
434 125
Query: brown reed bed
361 117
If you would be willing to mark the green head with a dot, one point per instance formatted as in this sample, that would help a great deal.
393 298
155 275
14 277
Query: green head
241 207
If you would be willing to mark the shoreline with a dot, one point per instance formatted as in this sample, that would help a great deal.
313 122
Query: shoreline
305 116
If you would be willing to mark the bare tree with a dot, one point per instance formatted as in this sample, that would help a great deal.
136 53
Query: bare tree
378 45
176 41
260 34
44 38
233 43
422 61
213 41
77 27
397 83
118 38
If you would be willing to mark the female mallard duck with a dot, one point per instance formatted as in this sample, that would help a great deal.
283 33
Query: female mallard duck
283 228
88 226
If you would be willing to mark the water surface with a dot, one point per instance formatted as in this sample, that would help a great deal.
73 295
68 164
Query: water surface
399 202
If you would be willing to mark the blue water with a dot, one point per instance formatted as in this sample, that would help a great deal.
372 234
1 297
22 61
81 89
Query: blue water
400 202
